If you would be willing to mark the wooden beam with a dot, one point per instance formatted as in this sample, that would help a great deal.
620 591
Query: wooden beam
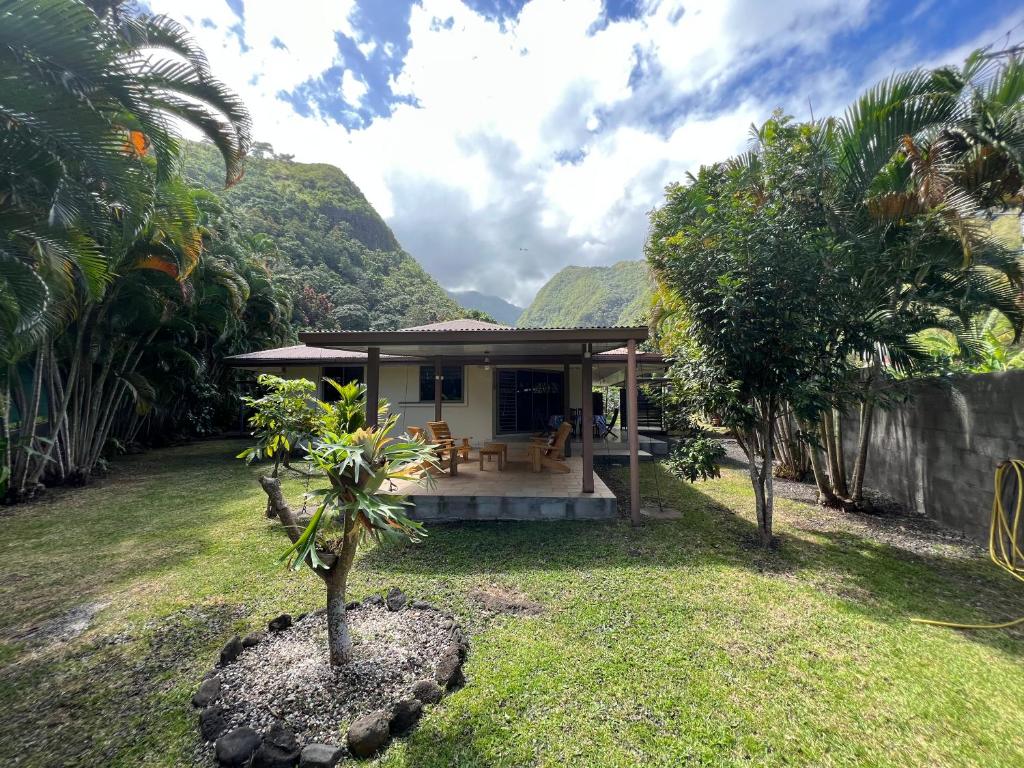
438 378
587 420
372 385
634 435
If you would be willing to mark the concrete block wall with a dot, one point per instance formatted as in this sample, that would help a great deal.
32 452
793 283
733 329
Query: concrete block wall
937 453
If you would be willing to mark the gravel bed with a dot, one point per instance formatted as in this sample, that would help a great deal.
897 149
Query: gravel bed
888 522
288 677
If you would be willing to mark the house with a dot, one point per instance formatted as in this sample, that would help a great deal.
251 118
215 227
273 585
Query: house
493 383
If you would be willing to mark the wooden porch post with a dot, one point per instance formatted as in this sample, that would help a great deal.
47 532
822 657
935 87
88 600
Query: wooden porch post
372 384
566 405
565 391
587 420
634 436
437 388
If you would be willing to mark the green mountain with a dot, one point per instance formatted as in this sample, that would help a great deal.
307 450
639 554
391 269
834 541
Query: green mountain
345 267
503 311
588 296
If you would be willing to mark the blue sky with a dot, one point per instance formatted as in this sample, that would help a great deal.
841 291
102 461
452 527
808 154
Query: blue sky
506 139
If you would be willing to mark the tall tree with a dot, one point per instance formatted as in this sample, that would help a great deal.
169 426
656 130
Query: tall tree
745 252
90 103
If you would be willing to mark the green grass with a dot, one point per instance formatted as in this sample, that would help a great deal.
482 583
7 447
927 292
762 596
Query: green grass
679 643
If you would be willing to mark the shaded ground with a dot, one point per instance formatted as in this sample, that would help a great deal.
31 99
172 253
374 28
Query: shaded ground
679 643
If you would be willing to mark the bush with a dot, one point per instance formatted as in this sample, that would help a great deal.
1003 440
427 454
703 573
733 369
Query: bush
696 457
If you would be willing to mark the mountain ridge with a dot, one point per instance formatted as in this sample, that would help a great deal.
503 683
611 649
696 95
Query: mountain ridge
503 311
345 266
619 294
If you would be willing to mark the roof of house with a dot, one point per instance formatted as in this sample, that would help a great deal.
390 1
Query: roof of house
465 324
464 338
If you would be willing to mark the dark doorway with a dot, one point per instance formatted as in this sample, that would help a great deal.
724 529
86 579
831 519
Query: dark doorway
527 399
343 374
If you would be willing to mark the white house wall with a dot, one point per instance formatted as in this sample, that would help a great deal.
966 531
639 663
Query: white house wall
472 418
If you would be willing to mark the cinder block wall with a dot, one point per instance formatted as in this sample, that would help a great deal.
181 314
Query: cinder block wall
937 453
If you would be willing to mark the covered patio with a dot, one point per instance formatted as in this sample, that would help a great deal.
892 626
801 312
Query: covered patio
511 494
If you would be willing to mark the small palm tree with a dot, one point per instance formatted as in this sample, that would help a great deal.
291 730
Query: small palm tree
359 464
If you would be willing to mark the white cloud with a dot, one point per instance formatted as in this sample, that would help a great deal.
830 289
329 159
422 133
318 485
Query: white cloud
353 88
529 148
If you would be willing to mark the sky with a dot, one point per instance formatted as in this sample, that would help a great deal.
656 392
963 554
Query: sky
503 140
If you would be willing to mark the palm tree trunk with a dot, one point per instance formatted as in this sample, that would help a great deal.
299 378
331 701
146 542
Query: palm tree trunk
867 411
841 487
825 495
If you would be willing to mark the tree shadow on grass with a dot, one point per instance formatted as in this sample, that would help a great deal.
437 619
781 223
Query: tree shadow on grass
152 516
874 578
112 700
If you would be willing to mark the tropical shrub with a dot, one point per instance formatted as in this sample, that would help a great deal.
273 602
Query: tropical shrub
696 458
354 465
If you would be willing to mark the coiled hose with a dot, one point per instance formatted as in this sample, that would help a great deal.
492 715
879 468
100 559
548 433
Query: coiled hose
1004 538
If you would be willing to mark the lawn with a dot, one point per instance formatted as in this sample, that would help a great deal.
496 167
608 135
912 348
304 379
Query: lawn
679 643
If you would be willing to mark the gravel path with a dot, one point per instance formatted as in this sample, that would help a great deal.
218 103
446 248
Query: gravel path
288 677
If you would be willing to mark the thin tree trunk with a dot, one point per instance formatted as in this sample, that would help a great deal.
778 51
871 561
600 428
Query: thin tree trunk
867 411
335 576
338 639
767 479
841 487
828 441
825 495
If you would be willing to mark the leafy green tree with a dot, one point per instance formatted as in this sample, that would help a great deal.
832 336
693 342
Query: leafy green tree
357 463
760 287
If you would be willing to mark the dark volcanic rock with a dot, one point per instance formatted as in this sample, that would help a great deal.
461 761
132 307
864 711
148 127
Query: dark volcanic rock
396 599
374 600
352 605
320 756
368 734
232 650
252 639
427 691
280 749
237 747
212 723
421 605
405 715
280 623
449 670
207 692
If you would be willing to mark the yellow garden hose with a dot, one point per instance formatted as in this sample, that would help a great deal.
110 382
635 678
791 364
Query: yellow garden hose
1004 538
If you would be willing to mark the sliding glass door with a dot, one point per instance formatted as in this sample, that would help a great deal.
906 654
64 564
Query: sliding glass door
527 399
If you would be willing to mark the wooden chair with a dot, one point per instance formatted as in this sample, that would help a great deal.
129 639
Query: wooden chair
551 454
416 433
441 434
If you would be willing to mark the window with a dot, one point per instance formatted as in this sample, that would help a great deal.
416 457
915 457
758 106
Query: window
341 374
451 384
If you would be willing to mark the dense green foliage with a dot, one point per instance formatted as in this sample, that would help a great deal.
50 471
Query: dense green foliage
592 296
696 458
502 311
992 346
667 645
343 264
123 287
877 221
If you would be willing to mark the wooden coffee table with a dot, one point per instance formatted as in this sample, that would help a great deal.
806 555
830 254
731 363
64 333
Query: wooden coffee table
494 449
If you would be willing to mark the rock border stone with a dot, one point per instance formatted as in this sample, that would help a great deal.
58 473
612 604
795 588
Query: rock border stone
368 735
